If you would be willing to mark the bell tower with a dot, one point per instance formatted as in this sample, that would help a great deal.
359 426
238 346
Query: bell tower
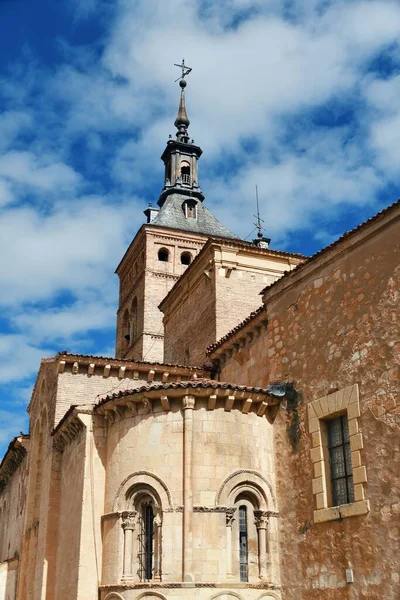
181 157
165 246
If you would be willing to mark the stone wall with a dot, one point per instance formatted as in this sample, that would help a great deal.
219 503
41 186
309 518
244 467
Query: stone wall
144 277
228 450
333 324
218 292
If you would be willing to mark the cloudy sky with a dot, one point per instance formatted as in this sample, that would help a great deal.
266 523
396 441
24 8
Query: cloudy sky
300 97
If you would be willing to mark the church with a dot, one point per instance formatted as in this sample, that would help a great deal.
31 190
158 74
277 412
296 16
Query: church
243 443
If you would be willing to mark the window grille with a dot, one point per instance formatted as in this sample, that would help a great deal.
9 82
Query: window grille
146 530
186 178
340 461
243 543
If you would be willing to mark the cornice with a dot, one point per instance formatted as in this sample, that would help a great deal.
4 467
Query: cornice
16 452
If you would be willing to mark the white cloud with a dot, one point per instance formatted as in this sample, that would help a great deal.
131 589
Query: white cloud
270 79
11 424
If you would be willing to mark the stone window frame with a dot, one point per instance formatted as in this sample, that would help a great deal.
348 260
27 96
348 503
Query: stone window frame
342 402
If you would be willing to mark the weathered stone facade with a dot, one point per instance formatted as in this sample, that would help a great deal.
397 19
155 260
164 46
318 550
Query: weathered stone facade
333 325
216 293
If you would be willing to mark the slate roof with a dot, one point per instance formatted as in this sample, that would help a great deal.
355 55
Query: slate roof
171 215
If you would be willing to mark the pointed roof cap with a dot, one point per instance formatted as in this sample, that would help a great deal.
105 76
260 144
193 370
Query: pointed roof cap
182 118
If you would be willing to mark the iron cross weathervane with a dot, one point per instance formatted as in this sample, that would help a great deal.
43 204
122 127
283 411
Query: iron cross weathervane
185 70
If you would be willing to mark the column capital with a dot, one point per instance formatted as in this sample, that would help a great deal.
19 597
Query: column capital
261 519
188 402
230 516
129 519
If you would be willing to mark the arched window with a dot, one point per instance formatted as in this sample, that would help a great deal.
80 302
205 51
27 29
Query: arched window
146 533
185 172
133 325
142 534
190 209
243 544
163 255
186 258
126 326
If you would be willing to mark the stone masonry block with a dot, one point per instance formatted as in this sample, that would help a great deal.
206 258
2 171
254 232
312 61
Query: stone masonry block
319 469
356 442
324 403
353 426
354 394
353 410
356 459
311 411
320 501
354 509
318 485
316 454
360 475
316 439
359 493
326 514
313 425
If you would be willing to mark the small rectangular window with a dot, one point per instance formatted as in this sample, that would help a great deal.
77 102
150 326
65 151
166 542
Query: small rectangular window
340 461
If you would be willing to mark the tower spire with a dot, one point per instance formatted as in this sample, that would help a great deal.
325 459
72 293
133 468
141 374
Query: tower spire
182 121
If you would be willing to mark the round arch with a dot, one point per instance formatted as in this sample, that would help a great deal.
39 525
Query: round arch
246 480
140 479
114 596
226 596
269 596
150 596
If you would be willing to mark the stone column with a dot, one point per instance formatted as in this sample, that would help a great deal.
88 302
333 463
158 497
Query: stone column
230 517
157 548
261 521
128 525
187 542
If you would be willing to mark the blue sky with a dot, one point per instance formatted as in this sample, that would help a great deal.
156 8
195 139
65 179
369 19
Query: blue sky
299 97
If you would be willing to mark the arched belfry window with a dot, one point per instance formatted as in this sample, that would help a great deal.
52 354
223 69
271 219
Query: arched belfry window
185 172
186 258
163 255
133 322
126 327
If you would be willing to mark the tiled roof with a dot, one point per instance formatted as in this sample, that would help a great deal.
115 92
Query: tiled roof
129 360
343 237
238 327
176 385
171 215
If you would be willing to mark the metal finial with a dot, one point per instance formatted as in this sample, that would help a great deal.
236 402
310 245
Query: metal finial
185 71
259 220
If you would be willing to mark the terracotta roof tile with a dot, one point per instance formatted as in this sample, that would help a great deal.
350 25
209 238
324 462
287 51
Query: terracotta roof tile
238 327
343 237
176 385
130 360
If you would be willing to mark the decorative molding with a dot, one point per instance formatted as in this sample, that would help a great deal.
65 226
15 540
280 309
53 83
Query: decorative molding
67 433
245 472
129 519
211 509
139 474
